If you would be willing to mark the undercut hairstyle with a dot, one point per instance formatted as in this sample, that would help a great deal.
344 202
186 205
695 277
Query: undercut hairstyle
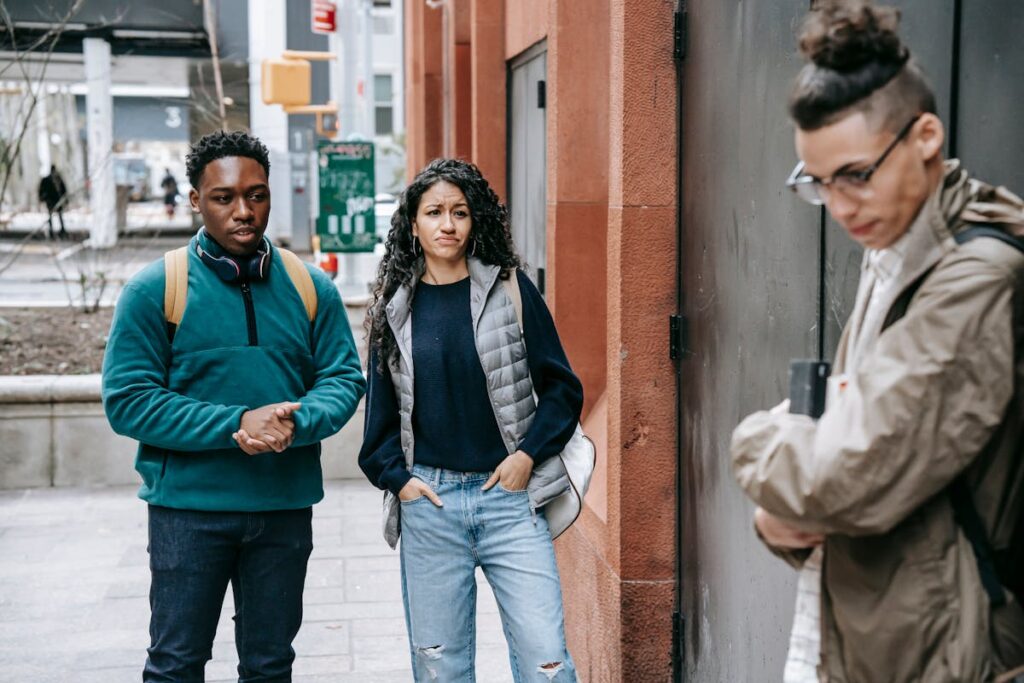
223 144
857 63
402 263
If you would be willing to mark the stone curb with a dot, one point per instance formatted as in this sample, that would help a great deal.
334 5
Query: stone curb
49 388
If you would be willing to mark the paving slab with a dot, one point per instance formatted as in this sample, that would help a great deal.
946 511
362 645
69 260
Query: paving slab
74 584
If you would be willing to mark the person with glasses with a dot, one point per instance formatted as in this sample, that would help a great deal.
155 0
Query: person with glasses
902 504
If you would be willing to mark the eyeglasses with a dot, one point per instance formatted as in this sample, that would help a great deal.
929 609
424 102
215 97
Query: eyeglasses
851 183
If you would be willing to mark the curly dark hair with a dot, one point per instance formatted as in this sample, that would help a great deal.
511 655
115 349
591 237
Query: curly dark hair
401 265
222 144
856 61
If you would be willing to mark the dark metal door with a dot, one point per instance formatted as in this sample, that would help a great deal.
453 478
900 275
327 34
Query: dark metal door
765 278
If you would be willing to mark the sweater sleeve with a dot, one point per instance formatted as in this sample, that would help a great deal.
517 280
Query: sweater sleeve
135 394
381 457
338 383
559 391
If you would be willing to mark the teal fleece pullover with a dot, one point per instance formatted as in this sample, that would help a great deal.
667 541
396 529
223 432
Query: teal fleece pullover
182 400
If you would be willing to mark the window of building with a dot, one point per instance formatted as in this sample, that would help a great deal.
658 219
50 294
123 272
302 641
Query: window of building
384 95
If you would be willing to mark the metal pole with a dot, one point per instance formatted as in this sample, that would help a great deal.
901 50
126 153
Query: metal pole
343 91
347 58
369 99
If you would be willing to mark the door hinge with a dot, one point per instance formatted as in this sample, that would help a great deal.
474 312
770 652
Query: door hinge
678 645
679 36
678 336
542 94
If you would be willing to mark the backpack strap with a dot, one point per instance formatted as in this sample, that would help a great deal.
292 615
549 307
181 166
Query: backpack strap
964 510
966 515
512 289
302 280
175 285
975 231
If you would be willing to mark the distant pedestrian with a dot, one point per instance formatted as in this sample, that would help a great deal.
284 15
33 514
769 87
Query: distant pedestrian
170 187
53 193
903 505
469 469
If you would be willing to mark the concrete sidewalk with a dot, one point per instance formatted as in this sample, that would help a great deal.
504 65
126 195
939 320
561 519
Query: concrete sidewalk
74 583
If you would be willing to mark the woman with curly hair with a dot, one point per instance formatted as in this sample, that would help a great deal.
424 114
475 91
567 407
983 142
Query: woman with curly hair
466 413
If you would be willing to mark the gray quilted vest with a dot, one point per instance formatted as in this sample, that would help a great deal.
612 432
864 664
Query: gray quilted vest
502 352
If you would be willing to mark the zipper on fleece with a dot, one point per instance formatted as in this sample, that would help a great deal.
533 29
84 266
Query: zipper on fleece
250 314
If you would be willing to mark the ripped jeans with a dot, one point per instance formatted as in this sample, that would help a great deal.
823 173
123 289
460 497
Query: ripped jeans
441 548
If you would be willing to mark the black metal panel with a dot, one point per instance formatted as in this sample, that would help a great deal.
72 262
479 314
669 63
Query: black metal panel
927 27
750 284
990 137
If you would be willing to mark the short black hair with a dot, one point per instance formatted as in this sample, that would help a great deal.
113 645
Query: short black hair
224 144
857 62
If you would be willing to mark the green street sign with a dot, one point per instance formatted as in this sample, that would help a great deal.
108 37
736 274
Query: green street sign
346 220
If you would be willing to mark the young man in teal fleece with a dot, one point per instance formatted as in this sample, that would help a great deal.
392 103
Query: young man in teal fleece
229 408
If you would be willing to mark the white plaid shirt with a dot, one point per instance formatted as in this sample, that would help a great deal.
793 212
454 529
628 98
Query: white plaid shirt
804 656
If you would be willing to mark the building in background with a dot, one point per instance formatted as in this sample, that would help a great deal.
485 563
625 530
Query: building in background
280 26
131 84
389 94
161 92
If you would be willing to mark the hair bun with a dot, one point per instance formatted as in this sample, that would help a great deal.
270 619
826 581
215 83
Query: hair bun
845 35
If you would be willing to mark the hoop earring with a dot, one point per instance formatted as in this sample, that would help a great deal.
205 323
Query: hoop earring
472 248
416 247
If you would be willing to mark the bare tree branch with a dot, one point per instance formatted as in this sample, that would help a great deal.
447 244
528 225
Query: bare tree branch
54 35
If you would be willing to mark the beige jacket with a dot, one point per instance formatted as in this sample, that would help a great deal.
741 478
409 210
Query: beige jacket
940 391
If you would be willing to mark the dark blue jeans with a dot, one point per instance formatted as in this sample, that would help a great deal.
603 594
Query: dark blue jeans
192 557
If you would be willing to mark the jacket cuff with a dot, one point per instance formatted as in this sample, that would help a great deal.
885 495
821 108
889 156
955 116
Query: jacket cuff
531 448
394 479
795 558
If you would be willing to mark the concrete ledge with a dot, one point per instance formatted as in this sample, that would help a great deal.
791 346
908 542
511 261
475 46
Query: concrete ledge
53 432
49 388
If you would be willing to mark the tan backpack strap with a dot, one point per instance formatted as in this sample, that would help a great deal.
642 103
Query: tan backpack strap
512 289
175 284
302 280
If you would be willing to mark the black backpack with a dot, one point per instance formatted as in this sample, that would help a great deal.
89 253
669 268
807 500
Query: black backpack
1004 567
999 569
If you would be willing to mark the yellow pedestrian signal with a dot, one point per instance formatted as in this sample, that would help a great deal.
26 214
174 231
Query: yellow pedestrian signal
286 81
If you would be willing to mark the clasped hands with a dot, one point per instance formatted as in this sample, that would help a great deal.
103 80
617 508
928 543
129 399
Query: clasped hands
265 429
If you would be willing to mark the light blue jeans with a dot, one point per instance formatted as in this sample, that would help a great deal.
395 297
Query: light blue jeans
441 549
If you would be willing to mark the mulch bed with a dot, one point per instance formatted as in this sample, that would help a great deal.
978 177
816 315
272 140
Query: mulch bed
52 341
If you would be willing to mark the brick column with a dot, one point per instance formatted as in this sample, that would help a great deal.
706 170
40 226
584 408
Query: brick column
423 92
487 94
642 401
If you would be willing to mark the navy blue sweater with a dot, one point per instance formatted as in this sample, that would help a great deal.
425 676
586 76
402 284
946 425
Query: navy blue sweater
453 423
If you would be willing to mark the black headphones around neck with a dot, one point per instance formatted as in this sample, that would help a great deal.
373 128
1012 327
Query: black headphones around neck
235 269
